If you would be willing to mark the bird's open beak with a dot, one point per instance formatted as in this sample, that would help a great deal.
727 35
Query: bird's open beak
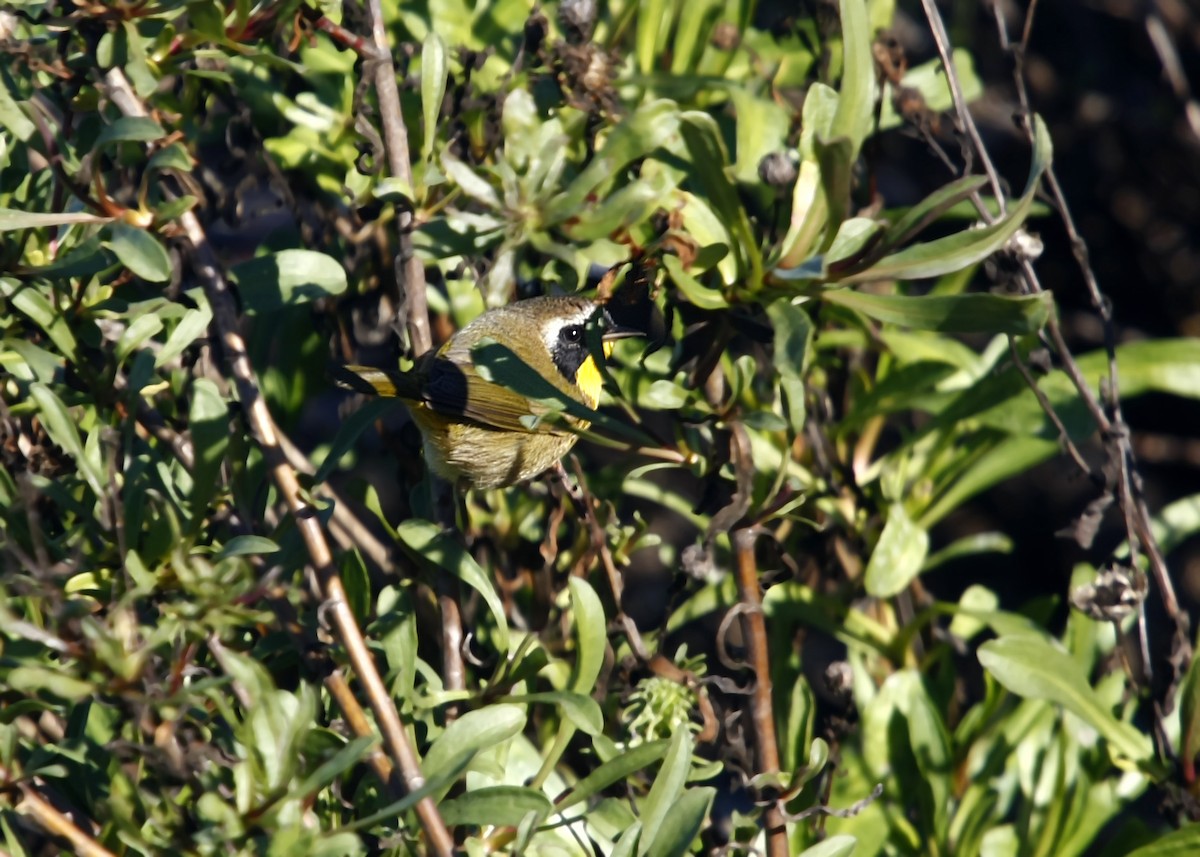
613 331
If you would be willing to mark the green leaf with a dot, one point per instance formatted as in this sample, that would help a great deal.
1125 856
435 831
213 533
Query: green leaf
11 219
333 767
174 208
929 209
929 741
287 278
501 806
140 251
591 635
31 679
442 549
348 433
209 421
1189 720
620 211
246 545
582 711
762 129
695 291
614 770
972 313
666 790
945 255
793 338
682 825
37 307
191 327
1032 667
836 160
12 117
898 556
855 240
628 841
133 129
471 183
470 735
969 546
143 326
1173 524
710 163
970 246
692 34
61 427
637 136
1184 842
929 78
852 119
433 88
654 19
172 157
834 846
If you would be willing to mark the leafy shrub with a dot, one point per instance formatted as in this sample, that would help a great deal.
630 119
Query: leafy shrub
836 375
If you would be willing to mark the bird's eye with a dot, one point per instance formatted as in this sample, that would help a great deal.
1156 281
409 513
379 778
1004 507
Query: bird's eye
572 333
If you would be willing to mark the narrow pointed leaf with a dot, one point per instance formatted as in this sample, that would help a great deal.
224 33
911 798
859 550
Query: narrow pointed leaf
440 548
973 313
614 770
898 556
502 806
1034 668
433 88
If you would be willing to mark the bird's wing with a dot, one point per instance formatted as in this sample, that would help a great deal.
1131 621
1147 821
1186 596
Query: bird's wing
458 390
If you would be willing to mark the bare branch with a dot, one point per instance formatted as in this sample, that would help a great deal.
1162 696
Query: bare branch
409 271
35 807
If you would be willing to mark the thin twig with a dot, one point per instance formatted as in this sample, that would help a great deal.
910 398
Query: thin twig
585 506
1064 436
409 270
37 808
344 525
754 627
356 719
1113 429
262 428
942 39
411 276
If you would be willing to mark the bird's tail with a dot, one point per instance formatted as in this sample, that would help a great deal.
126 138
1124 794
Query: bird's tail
375 382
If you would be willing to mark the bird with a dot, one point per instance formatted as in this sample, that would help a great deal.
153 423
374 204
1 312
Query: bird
485 417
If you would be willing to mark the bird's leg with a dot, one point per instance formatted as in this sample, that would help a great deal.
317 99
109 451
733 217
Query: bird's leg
573 490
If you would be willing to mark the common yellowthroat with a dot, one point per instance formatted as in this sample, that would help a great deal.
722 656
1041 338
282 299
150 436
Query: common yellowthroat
475 426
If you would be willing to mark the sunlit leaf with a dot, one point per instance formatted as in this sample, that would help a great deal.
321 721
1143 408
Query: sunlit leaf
471 734
898 555
11 219
494 805
1030 666
433 88
287 278
443 550
971 313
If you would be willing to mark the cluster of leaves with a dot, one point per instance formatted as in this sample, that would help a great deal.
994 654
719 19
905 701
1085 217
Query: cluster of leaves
835 376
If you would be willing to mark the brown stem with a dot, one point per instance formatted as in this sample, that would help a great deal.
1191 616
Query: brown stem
262 428
411 276
942 39
356 719
409 271
754 627
33 806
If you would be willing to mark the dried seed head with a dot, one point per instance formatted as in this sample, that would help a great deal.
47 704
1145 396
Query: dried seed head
777 169
578 18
